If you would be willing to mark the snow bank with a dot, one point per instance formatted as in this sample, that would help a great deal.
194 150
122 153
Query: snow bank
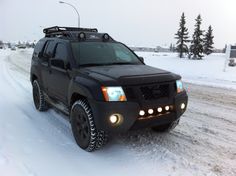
208 71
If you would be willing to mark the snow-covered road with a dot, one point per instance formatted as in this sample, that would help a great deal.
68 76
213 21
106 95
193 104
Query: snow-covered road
41 144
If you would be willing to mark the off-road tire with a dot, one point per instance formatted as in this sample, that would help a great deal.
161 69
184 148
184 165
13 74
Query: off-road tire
83 127
167 127
39 98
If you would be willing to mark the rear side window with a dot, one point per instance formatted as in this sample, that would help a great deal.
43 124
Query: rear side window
38 48
49 49
61 52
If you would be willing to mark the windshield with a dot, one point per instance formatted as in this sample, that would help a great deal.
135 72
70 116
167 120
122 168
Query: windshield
102 53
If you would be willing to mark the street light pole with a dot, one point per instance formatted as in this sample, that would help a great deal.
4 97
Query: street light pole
62 2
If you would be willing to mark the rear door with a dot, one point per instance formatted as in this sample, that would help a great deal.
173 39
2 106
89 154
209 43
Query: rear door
59 78
36 60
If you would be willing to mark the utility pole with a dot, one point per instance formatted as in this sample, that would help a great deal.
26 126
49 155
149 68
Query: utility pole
62 2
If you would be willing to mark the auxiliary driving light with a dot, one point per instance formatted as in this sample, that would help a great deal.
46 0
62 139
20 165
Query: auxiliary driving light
167 108
159 109
82 35
106 37
114 119
150 111
142 113
182 106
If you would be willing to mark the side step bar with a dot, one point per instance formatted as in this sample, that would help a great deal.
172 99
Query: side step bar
58 105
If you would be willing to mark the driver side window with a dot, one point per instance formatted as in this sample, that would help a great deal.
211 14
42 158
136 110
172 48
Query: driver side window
60 59
49 50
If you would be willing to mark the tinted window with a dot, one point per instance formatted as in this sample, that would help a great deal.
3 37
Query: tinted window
49 49
38 48
103 53
61 52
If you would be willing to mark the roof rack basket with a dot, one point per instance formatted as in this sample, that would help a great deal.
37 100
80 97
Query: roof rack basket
56 30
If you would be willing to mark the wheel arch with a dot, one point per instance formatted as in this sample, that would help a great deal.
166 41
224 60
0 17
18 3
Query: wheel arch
75 97
78 91
33 77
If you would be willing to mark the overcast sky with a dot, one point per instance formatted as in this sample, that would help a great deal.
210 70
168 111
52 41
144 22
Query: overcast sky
134 22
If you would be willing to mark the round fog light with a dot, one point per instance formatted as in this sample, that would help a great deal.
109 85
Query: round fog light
159 109
167 108
114 119
142 113
150 111
182 106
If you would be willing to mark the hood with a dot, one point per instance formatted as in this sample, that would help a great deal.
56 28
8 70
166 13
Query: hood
128 74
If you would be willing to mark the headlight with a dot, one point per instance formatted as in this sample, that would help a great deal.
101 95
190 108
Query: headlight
179 85
113 94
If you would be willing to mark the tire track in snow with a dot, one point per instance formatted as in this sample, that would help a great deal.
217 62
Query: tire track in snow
58 125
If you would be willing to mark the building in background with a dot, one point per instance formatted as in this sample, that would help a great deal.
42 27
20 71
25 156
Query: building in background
148 49
232 56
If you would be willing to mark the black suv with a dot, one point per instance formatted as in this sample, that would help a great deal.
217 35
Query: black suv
102 85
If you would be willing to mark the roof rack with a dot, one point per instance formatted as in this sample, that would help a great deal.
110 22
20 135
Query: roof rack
56 30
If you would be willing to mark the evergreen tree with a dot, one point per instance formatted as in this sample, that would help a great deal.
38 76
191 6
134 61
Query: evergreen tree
171 48
174 48
208 41
182 37
196 47
224 49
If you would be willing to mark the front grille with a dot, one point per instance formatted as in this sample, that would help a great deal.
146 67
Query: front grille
156 91
129 92
148 92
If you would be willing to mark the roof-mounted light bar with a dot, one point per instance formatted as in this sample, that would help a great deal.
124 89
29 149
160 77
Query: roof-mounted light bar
56 29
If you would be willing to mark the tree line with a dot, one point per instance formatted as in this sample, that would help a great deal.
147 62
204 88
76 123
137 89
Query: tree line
201 43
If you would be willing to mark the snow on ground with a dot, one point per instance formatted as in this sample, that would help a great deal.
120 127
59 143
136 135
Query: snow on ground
208 71
41 144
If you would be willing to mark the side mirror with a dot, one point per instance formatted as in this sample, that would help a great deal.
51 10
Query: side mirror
58 63
142 59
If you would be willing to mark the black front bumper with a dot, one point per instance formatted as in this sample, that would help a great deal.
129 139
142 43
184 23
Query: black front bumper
130 113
